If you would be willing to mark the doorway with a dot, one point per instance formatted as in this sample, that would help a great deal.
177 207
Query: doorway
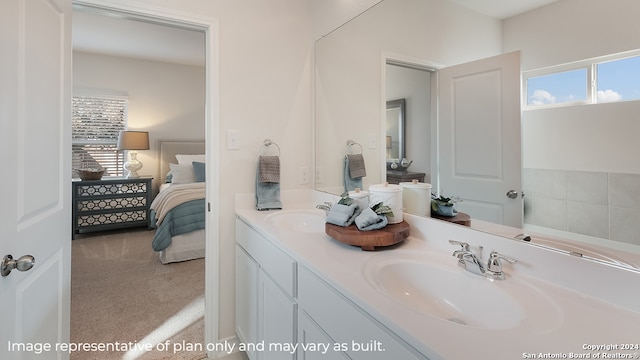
210 28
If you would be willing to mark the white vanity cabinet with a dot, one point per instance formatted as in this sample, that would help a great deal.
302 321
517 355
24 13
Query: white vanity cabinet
265 305
279 301
346 324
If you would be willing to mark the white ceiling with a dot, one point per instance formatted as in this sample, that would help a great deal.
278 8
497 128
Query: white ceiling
119 36
502 9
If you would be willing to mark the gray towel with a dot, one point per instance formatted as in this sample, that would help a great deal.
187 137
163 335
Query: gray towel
267 194
350 184
356 166
342 215
369 220
269 169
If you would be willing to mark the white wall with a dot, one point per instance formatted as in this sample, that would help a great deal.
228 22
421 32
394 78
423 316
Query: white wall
350 65
597 137
265 92
585 149
414 86
167 100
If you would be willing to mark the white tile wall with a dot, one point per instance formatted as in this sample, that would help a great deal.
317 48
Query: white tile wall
604 205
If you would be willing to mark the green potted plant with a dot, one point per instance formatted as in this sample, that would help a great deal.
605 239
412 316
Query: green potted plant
444 206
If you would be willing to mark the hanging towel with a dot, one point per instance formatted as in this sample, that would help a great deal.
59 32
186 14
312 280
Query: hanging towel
369 220
356 166
351 183
269 169
268 193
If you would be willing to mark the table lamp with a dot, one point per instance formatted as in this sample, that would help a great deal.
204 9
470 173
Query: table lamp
133 141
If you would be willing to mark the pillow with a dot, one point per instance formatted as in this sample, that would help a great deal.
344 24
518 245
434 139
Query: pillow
182 174
199 171
188 159
169 177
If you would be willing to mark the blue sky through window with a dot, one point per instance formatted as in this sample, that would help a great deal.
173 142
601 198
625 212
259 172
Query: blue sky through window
557 88
617 80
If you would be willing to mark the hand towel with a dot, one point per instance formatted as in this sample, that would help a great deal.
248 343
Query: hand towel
342 215
356 166
267 193
269 169
369 220
350 184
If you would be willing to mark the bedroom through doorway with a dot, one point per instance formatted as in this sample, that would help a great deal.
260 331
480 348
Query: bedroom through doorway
120 251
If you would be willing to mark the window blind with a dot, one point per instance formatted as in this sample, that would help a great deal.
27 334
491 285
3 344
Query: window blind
96 123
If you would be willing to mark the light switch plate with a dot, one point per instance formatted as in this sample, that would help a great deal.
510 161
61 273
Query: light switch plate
373 141
233 140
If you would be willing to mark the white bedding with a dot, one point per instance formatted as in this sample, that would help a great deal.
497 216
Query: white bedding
184 247
175 195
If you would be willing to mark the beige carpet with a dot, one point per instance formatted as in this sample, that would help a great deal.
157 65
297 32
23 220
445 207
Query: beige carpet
123 297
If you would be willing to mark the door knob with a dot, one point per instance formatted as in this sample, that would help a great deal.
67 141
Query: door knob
512 194
24 263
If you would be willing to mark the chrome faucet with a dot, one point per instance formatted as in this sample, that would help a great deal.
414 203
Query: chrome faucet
326 206
473 263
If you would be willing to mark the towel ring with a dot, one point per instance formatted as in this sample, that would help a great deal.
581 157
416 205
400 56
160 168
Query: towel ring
350 143
267 144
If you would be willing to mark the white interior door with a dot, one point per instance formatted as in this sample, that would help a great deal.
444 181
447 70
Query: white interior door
479 138
35 214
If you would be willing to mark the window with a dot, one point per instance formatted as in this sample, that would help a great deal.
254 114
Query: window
557 88
606 79
618 80
96 123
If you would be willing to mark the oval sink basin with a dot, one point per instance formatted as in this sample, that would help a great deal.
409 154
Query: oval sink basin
432 284
303 221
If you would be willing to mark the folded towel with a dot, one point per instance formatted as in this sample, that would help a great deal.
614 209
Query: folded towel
342 215
356 166
269 169
350 184
369 220
267 194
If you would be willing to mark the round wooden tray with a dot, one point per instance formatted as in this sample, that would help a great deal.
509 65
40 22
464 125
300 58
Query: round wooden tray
369 240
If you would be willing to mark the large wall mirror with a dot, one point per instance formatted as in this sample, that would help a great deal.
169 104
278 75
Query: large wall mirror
352 66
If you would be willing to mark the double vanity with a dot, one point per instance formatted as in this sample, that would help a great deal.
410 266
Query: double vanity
437 295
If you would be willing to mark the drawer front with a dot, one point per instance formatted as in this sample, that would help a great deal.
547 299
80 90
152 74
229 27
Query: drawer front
116 217
275 262
347 324
110 189
112 203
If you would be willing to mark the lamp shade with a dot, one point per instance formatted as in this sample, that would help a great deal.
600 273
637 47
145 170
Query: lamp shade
133 140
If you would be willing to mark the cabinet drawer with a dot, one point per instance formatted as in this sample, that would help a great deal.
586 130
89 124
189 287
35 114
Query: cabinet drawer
347 324
276 263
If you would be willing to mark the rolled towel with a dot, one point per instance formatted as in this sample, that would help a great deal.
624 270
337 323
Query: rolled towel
269 169
342 215
356 166
369 220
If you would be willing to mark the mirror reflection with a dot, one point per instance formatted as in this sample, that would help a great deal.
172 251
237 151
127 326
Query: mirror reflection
352 77
394 139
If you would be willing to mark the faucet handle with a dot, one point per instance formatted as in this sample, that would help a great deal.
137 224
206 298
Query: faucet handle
464 245
495 264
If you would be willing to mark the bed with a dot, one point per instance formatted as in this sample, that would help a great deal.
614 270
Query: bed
178 210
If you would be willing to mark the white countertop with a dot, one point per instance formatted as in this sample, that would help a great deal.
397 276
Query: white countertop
596 304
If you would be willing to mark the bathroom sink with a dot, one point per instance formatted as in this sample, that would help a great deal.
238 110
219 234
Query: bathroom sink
432 284
303 221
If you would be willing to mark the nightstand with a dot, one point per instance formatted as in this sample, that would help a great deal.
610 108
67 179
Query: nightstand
396 177
110 203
